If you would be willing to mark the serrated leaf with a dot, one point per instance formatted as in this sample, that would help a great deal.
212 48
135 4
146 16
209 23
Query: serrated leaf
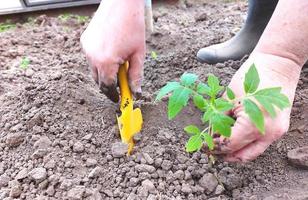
203 89
252 80
207 114
199 101
192 130
194 143
230 94
209 141
272 96
255 114
169 87
177 101
222 105
213 83
222 124
188 79
268 106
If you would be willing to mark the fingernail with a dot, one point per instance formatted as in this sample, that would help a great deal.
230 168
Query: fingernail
138 93
136 89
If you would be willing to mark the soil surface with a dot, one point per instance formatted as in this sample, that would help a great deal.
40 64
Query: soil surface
58 133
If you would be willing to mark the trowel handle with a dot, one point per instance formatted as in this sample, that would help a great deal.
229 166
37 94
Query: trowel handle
126 94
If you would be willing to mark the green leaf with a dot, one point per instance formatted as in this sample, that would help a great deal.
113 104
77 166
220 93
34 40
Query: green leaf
255 114
24 63
268 106
222 105
188 79
230 94
222 124
169 87
199 101
154 55
192 130
213 83
209 141
207 114
177 101
252 80
271 97
203 89
194 143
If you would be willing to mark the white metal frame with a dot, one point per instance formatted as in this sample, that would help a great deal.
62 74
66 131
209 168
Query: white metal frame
21 6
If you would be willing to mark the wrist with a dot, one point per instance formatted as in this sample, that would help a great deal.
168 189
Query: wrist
283 68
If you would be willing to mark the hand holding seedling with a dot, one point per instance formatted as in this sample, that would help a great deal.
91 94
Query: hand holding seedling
253 113
246 142
116 34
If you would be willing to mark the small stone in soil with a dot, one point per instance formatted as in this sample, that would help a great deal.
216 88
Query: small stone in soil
119 149
166 165
76 193
133 182
15 139
132 196
179 175
42 143
299 157
145 168
38 174
148 158
95 172
186 189
90 162
219 190
4 180
142 192
148 185
208 182
16 190
152 197
78 147
201 17
229 178
22 174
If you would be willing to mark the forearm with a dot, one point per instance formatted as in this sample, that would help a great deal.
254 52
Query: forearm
286 35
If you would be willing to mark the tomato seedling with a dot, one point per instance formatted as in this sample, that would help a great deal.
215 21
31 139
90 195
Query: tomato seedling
24 64
206 98
6 26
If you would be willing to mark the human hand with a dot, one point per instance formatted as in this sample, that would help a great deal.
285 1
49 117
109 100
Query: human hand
246 142
116 34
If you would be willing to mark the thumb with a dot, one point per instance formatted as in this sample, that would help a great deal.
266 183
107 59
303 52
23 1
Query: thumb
243 133
135 74
249 152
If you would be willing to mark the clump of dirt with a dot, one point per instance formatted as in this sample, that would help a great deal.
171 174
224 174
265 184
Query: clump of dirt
58 133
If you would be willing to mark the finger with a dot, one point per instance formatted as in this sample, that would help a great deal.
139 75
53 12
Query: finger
110 91
108 81
242 133
135 74
250 152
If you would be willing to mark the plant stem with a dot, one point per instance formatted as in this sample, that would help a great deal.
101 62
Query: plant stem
205 130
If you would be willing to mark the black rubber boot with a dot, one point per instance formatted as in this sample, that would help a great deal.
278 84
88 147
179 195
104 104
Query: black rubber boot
259 13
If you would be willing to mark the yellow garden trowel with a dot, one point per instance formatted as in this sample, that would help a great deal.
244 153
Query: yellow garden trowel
130 121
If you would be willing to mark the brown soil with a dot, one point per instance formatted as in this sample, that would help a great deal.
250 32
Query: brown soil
57 129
